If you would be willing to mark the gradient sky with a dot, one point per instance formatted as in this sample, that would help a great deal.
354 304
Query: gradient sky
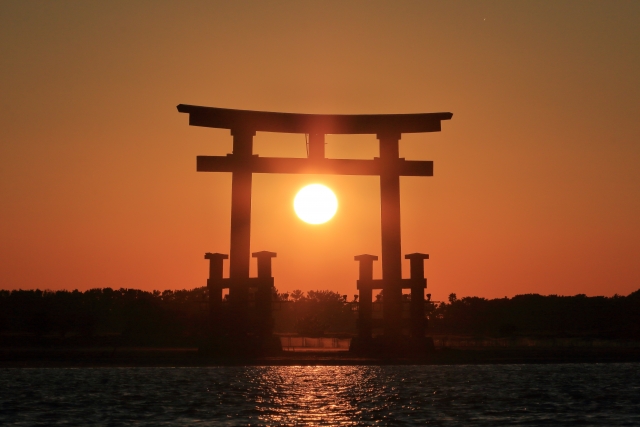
536 186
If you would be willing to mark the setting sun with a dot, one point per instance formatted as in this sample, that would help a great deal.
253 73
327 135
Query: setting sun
315 204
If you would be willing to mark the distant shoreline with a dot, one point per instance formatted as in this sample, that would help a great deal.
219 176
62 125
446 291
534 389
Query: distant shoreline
190 357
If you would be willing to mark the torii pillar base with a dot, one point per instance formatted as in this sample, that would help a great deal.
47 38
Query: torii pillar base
255 338
413 345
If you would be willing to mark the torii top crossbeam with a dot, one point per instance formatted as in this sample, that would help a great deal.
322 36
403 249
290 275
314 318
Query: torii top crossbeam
263 121
242 163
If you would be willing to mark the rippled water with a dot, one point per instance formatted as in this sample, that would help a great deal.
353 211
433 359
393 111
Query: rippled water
585 394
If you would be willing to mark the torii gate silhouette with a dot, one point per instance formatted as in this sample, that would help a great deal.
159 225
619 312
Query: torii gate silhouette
242 163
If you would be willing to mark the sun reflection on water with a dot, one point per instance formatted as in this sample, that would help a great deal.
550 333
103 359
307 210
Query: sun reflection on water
323 395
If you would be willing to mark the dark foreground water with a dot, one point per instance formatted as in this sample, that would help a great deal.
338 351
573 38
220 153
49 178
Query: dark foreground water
580 394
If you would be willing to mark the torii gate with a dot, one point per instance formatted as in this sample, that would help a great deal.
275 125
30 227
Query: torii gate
242 163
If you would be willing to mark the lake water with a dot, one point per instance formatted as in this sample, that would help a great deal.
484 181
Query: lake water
492 395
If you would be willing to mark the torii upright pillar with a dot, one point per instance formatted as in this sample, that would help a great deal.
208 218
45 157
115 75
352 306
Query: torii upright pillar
240 251
390 227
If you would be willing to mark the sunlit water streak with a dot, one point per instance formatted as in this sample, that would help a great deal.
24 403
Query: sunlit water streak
585 394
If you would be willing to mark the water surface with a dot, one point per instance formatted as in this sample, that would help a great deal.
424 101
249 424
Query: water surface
583 394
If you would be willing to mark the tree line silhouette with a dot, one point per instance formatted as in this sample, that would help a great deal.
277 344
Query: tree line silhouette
616 317
136 317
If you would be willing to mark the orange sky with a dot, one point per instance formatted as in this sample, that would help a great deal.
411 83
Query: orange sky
536 180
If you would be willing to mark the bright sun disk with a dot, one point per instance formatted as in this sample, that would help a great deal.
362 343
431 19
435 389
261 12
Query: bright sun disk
315 204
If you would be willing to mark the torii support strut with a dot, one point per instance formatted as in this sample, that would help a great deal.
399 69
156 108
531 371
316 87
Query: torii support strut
367 284
242 163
